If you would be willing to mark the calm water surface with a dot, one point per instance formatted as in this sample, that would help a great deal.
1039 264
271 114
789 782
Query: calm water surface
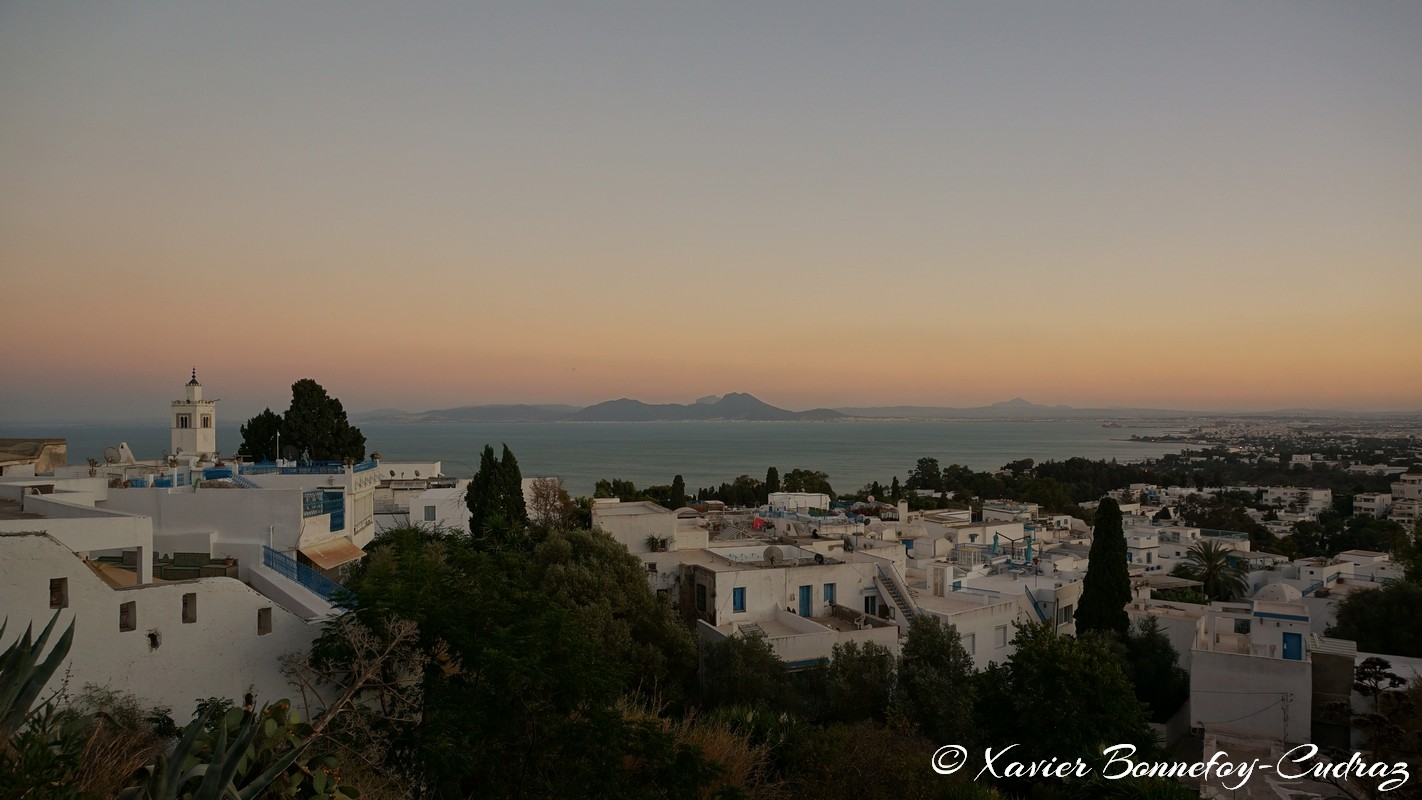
704 453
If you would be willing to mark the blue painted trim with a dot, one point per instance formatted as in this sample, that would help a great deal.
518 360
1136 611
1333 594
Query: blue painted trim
1271 615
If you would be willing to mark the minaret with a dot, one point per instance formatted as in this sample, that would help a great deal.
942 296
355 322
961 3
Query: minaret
195 423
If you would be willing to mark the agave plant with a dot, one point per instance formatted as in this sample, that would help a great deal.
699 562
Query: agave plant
182 775
23 675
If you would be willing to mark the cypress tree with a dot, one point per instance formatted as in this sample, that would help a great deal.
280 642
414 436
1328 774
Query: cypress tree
480 494
772 481
678 493
511 502
1107 587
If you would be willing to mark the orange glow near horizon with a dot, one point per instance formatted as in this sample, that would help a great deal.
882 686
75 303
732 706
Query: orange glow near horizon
489 205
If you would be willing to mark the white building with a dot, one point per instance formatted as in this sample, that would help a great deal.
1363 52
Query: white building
804 602
798 502
1372 504
194 424
167 642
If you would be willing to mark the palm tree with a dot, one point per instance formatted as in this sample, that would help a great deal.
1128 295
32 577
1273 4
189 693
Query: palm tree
1208 562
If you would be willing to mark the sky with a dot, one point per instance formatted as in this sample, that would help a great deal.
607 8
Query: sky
422 205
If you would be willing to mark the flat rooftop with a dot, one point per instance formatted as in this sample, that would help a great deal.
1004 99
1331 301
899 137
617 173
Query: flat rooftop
10 509
628 509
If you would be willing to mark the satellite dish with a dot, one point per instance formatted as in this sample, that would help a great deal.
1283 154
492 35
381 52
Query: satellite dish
392 473
111 455
417 473
819 558
773 555
291 452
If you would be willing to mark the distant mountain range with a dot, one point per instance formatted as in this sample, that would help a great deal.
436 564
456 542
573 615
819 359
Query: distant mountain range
738 406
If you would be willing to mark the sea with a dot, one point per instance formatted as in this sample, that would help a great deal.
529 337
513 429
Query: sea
851 452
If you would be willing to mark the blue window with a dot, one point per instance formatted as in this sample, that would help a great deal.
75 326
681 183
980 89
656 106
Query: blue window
829 593
738 599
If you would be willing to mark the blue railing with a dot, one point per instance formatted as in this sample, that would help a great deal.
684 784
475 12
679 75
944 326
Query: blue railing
290 568
305 468
1041 614
166 481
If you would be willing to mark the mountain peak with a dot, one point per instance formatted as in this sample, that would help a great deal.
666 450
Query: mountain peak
1015 402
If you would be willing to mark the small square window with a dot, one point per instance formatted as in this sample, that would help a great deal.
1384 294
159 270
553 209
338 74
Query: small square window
264 621
128 616
59 593
651 566
190 607
429 513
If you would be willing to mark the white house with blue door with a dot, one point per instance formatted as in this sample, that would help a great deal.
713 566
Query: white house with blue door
1251 671
804 602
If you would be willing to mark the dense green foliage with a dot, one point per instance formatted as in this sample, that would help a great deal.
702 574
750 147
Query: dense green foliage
1079 682
497 512
260 435
1210 563
533 651
1107 587
315 424
1383 620
1153 666
935 682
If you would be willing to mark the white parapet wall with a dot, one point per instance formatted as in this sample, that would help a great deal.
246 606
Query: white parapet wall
170 643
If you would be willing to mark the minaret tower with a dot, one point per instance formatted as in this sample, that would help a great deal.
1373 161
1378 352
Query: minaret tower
195 423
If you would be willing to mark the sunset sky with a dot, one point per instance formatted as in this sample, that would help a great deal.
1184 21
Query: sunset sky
420 205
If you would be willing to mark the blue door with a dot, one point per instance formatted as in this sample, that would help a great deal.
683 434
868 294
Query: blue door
1293 646
805 600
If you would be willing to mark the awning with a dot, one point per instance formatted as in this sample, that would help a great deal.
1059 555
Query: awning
332 554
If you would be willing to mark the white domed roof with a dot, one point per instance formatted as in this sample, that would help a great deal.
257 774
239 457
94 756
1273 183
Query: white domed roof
1279 593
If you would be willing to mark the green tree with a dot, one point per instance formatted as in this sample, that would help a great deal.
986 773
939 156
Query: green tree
678 493
896 492
316 424
926 474
744 671
1153 666
772 480
804 480
935 681
531 660
513 506
1049 677
1382 620
1106 588
498 516
259 436
1209 563
859 681
604 587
